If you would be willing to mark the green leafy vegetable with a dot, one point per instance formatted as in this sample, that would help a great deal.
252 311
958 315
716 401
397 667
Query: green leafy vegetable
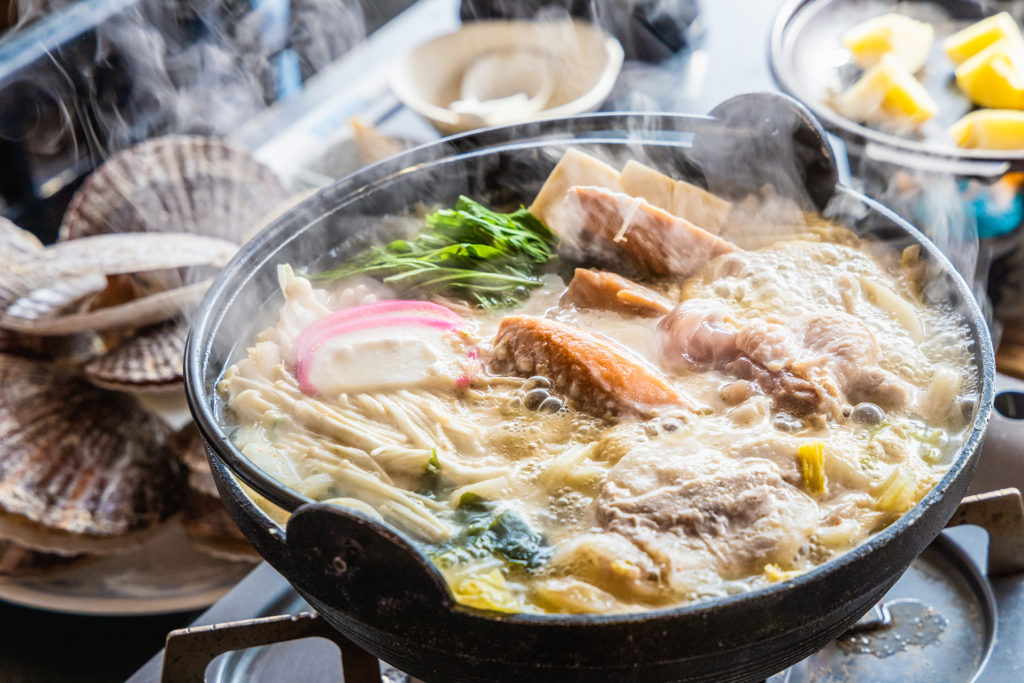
433 464
505 535
485 257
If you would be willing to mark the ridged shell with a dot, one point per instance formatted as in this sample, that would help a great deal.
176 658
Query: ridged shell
18 561
172 184
15 243
213 531
45 294
81 459
191 451
73 349
205 518
17 246
150 360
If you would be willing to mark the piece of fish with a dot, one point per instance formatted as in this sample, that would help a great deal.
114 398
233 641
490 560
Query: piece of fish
609 226
595 375
606 291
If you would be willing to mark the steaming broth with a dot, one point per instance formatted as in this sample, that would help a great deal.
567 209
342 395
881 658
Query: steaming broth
538 489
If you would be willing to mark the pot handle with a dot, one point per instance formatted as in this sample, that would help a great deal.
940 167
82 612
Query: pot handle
360 565
785 146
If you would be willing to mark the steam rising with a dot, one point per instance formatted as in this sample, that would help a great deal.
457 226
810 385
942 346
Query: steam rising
197 67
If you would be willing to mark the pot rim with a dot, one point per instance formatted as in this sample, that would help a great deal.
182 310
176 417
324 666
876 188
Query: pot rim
200 390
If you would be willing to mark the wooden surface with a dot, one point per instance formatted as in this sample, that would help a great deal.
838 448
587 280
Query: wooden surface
1010 354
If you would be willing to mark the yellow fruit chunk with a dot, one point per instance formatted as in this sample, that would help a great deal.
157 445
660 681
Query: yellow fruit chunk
990 129
995 76
909 40
887 94
968 42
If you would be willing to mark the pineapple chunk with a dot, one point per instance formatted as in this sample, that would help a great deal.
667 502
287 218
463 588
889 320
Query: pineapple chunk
909 40
887 94
968 42
990 129
995 76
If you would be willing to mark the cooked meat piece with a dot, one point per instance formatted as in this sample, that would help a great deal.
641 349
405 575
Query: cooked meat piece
851 355
881 387
788 392
605 225
687 506
836 343
591 372
610 292
810 364
768 343
696 335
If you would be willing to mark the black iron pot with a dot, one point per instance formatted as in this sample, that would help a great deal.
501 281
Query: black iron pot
372 583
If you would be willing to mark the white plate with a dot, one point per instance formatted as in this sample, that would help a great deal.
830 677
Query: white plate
167 574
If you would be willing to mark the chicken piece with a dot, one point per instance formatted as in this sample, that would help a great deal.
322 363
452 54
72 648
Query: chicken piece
610 292
812 364
688 507
591 372
609 225
881 387
840 354
697 336
788 392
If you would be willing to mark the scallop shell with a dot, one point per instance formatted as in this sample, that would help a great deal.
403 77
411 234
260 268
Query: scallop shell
191 451
205 518
73 349
150 360
37 537
172 184
127 253
18 561
76 458
43 295
15 243
213 531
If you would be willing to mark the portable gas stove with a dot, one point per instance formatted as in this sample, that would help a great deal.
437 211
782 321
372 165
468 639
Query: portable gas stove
956 615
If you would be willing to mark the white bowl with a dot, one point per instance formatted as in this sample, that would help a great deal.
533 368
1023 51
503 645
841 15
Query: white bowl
496 72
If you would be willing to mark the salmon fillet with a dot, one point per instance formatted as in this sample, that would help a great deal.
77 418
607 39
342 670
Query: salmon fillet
608 225
591 372
610 292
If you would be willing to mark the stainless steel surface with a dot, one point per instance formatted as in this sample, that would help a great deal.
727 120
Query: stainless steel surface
937 623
